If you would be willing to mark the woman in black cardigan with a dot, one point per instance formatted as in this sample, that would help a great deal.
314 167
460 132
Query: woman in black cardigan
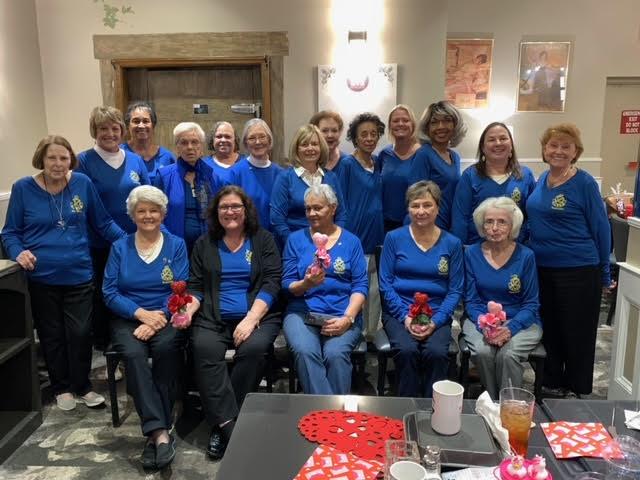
235 274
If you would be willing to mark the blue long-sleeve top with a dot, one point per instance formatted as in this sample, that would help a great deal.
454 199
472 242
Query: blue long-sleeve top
62 254
161 159
113 186
446 177
224 173
130 283
472 189
568 224
171 181
362 191
338 167
346 275
514 285
405 269
287 204
258 183
397 176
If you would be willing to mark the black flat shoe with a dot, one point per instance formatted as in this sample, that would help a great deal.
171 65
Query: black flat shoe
217 445
165 453
148 456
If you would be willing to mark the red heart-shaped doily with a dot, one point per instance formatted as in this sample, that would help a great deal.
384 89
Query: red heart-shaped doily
361 434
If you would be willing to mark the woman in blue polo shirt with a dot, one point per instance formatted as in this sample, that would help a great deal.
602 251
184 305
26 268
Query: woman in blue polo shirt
47 233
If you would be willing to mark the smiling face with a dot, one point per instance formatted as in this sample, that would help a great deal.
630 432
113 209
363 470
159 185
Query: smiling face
560 151
400 125
148 216
367 137
423 211
224 140
258 142
440 130
140 125
497 225
189 147
497 145
330 130
109 136
309 152
57 162
319 213
231 213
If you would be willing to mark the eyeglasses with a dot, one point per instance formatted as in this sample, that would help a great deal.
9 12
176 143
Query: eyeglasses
235 208
256 138
500 223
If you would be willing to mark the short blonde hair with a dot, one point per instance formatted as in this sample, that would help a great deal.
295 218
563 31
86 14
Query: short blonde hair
563 130
303 134
149 194
501 203
184 127
412 117
101 115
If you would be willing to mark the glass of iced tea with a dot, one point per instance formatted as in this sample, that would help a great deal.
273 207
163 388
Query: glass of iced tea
516 413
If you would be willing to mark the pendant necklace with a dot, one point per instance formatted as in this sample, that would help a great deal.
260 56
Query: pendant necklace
61 223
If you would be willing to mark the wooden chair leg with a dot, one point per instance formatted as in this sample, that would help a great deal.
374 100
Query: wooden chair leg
538 366
112 364
382 373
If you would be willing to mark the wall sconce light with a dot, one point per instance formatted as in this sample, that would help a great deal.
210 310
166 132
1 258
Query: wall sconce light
357 77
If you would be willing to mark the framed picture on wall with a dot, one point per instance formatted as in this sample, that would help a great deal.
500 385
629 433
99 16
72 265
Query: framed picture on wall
468 75
543 72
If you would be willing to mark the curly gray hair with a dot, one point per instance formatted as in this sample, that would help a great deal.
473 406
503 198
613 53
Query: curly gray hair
149 194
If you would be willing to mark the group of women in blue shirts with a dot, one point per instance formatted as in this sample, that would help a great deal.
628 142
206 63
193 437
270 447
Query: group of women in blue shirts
411 198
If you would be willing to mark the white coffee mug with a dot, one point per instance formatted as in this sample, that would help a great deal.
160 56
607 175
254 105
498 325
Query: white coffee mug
447 407
407 470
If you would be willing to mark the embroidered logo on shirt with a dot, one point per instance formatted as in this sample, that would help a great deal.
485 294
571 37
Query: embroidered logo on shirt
247 256
76 204
339 266
167 274
134 176
559 202
443 266
516 195
514 284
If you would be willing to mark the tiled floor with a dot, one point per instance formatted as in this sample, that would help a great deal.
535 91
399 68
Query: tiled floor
82 444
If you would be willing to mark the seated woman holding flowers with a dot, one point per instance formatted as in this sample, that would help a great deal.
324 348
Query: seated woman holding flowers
325 273
137 286
501 296
420 258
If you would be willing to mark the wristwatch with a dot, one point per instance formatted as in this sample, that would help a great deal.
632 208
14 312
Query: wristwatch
351 319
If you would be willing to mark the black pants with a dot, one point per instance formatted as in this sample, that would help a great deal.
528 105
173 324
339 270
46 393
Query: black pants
153 387
62 315
101 314
222 394
570 309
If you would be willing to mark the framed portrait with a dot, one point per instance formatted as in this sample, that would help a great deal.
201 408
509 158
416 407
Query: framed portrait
543 72
468 75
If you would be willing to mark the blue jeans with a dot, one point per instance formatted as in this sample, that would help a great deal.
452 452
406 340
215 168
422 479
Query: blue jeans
413 359
323 363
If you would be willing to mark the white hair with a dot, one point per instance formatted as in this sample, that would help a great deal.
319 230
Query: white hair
148 194
255 122
501 203
184 127
324 191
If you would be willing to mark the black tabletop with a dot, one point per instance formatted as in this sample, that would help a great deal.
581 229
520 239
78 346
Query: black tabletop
266 443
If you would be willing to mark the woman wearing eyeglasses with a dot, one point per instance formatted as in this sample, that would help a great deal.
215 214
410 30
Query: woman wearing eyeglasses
235 273
501 270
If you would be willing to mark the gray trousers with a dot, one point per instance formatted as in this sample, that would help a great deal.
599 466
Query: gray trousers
498 365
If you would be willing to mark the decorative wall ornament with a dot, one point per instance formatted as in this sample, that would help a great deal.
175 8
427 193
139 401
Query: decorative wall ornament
468 73
112 13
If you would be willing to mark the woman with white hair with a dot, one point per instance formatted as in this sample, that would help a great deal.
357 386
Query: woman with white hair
501 270
323 321
137 285
190 184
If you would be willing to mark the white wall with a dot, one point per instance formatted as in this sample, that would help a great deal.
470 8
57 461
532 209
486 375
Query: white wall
22 113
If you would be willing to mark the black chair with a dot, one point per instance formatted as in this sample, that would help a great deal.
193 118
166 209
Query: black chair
384 351
620 237
536 359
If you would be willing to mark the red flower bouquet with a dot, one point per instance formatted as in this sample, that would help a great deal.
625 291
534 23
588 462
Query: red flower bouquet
490 321
420 311
178 302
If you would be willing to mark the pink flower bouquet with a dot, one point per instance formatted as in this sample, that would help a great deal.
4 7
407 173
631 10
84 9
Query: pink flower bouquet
490 321
321 258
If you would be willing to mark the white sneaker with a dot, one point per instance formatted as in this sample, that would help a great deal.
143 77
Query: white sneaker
92 399
66 401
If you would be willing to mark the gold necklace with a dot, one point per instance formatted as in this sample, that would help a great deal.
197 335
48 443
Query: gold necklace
561 179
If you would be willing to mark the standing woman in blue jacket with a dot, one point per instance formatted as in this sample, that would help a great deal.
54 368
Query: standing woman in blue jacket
47 233
571 237
308 156
114 172
441 128
190 184
401 165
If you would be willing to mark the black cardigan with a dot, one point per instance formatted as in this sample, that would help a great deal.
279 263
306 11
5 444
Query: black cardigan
206 270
